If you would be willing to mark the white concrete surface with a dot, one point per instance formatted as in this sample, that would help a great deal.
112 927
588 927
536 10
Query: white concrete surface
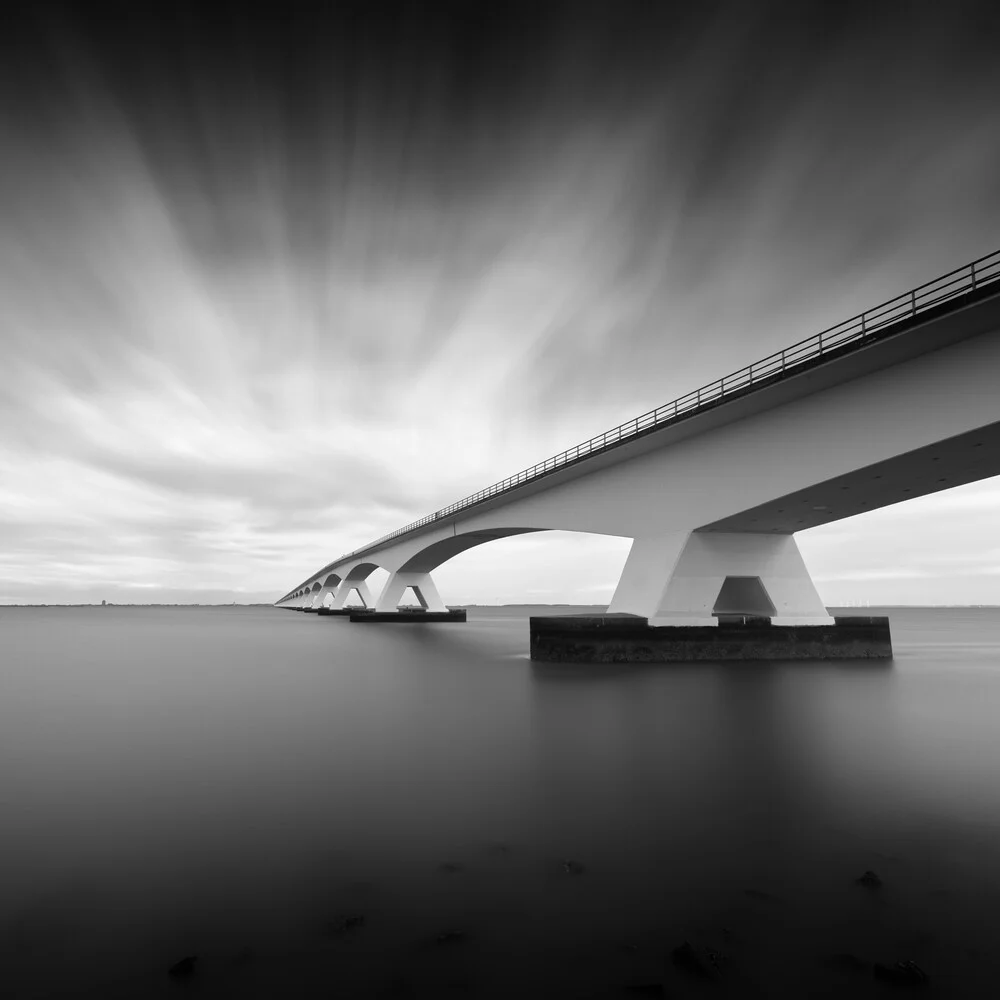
675 578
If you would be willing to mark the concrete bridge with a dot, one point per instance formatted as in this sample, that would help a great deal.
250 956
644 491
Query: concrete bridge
899 402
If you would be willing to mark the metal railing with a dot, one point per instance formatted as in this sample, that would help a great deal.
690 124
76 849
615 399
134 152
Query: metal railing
857 331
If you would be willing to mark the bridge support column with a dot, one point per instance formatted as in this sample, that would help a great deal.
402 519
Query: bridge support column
323 595
344 591
677 579
423 586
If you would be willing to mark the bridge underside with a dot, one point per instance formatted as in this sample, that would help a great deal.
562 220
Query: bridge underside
749 563
955 461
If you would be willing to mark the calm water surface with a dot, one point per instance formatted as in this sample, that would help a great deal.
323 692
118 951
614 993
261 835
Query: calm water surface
236 783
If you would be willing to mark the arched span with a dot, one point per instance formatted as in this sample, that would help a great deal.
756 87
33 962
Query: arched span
361 571
333 580
440 552
316 586
355 585
415 571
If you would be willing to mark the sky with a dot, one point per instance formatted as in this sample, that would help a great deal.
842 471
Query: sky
276 280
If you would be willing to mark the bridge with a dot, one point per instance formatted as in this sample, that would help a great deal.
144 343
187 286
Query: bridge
898 402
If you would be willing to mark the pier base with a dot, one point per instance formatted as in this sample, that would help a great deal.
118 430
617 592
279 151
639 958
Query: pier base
345 612
456 615
631 639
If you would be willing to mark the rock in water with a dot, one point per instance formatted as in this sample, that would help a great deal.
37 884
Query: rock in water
184 969
688 960
451 937
869 880
901 974
348 924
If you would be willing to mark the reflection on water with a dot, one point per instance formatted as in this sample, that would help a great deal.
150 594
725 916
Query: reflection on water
244 785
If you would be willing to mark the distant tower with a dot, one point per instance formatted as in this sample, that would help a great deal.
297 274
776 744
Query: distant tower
103 603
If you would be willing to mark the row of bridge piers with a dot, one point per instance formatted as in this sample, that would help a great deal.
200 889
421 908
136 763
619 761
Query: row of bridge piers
724 595
896 403
336 594
676 577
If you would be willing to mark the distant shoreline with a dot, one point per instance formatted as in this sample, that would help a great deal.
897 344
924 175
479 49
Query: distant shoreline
232 604
112 604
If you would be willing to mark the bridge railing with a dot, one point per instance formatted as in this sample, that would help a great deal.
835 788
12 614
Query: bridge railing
857 331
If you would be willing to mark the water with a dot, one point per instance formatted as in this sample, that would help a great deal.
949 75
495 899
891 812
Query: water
234 783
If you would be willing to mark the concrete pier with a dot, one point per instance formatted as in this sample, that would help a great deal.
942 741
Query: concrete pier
345 612
410 615
631 639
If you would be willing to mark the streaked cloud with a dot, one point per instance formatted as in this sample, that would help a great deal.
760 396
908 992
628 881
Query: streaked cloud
266 301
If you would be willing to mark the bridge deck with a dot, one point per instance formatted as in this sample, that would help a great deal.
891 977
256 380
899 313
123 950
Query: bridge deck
951 292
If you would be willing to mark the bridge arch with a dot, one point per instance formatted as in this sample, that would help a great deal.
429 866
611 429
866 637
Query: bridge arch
355 581
324 593
416 563
414 572
433 555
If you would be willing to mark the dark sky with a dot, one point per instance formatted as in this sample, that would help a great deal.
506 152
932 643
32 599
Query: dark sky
279 279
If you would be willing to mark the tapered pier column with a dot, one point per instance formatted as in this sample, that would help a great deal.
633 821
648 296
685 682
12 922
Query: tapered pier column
691 577
423 587
344 591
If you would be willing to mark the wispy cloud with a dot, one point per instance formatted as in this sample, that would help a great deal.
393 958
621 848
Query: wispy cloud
257 311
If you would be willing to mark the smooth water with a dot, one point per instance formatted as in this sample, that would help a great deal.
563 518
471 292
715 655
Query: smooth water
235 783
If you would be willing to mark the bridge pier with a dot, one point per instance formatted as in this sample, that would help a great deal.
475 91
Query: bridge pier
344 591
423 587
693 577
324 594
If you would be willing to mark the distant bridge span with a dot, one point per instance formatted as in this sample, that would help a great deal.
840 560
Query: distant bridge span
899 402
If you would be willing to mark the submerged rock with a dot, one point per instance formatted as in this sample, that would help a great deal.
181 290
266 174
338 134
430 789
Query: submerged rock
869 880
689 961
451 937
573 868
184 969
348 924
907 974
